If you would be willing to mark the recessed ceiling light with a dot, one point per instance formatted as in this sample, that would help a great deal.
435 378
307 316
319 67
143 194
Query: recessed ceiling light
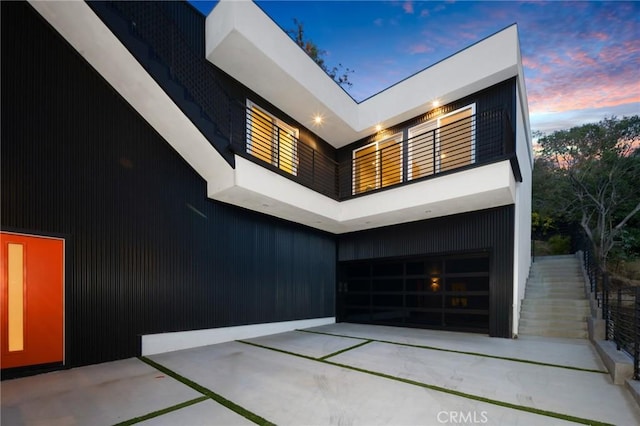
436 103
317 119
378 127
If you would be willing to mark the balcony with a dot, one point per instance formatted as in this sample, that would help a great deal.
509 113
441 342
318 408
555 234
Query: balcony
465 141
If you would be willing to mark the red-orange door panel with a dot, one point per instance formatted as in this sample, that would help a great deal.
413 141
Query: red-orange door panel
32 300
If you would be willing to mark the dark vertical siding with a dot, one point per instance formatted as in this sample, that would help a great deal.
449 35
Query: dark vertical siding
483 231
147 251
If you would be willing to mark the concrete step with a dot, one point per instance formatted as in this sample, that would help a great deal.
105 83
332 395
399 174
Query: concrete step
560 266
552 285
555 276
562 288
556 258
556 296
543 282
554 324
542 275
554 316
554 303
547 308
568 334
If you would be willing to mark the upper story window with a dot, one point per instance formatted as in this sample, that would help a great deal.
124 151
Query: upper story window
378 164
271 140
442 144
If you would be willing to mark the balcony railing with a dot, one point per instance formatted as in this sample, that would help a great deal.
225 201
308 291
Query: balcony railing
474 140
261 140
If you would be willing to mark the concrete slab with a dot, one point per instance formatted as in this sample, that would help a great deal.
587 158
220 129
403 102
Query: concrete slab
101 394
561 390
205 413
568 352
288 390
309 344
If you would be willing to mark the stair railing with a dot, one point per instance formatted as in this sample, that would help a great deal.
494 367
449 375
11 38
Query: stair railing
620 306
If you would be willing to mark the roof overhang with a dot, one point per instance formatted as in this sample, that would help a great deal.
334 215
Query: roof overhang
256 188
245 43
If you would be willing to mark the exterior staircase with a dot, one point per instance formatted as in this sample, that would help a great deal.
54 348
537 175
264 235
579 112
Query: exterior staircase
555 304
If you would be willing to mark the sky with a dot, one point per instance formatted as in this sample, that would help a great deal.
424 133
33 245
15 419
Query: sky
581 58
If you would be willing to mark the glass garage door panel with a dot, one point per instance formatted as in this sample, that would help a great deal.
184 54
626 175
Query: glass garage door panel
387 284
445 292
428 301
425 319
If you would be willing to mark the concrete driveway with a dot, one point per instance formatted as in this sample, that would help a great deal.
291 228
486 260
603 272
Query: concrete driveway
340 374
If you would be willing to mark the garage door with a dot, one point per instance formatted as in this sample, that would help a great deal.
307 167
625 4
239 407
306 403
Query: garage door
449 292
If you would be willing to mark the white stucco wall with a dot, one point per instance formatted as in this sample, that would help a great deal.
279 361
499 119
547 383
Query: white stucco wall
522 231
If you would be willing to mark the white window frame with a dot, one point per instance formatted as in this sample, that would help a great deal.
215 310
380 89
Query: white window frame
397 137
275 140
435 125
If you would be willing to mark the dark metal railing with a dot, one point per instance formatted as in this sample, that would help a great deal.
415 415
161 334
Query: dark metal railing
476 139
623 323
264 140
619 306
472 140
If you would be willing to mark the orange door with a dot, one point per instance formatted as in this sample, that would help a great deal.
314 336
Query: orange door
32 300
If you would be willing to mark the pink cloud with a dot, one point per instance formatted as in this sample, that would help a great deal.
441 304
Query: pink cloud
565 95
420 48
581 58
599 36
529 63
407 6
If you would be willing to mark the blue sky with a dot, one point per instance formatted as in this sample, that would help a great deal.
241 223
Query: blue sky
581 59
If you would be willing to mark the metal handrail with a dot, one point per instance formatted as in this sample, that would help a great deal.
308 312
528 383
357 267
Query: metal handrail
620 307
623 327
263 141
476 139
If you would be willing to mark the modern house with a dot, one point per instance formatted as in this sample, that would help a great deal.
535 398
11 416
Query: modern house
172 180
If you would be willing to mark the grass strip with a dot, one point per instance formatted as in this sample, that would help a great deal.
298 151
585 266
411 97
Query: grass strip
434 348
208 393
282 351
161 412
345 350
532 410
330 334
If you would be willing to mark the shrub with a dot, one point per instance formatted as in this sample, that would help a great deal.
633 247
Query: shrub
560 244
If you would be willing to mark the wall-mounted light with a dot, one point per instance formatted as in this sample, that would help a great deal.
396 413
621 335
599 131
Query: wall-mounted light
435 285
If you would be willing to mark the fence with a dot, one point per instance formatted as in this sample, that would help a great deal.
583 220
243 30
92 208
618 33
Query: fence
620 307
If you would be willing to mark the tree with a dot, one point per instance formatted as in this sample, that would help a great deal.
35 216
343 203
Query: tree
597 169
339 74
